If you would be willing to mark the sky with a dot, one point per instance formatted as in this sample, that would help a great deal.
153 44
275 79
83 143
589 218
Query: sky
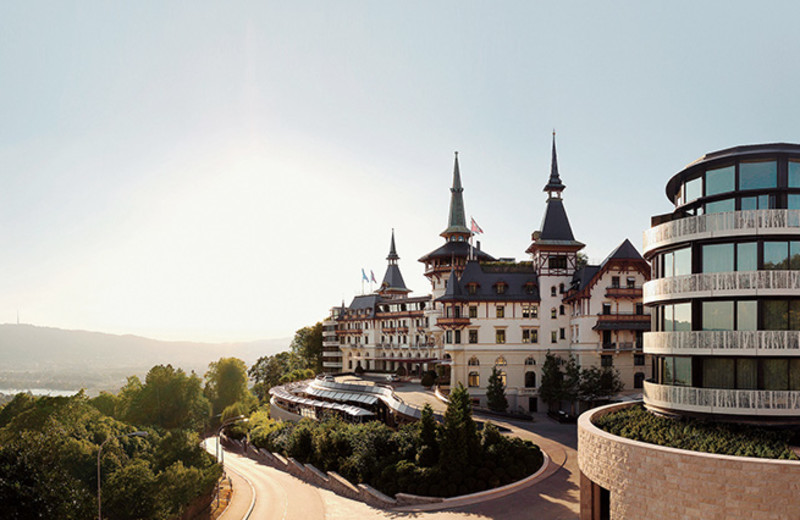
222 171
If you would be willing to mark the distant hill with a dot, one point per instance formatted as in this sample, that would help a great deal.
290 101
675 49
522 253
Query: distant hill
45 357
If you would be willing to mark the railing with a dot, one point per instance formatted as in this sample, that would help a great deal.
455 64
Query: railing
760 221
721 284
779 342
452 322
722 401
623 292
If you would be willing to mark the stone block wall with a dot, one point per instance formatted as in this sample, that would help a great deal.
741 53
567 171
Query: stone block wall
650 481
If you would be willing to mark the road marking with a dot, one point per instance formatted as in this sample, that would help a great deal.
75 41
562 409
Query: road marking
252 490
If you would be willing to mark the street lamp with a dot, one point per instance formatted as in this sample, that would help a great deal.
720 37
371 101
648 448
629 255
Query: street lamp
220 451
99 492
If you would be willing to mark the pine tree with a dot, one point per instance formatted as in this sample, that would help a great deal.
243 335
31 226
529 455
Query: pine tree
496 393
552 381
461 442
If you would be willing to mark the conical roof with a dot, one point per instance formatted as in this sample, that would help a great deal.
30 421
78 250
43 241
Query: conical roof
457 221
554 184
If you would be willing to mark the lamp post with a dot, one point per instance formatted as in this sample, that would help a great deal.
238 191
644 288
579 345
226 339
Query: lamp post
220 451
100 451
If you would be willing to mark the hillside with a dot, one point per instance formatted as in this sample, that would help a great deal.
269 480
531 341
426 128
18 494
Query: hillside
44 357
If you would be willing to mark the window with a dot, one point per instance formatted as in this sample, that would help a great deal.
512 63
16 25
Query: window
473 362
631 282
607 341
557 262
561 310
562 333
718 258
718 315
693 189
529 311
720 180
472 288
448 337
535 311
501 288
606 361
794 174
530 288
638 360
473 335
530 379
561 288
776 255
756 202
473 380
615 282
530 336
458 337
500 336
606 309
553 337
501 311
529 361
503 378
473 311
553 314
500 362
639 309
720 206
747 256
553 291
757 175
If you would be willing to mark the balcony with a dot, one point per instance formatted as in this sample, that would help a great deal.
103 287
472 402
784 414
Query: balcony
452 323
624 292
622 321
731 284
724 342
767 403
734 223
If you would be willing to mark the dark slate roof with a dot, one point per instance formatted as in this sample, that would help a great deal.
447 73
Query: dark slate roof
393 279
364 301
624 251
393 250
583 276
458 250
487 277
554 183
555 224
457 221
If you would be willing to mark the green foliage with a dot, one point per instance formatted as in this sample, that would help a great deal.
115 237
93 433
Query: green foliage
226 383
298 374
268 371
496 393
565 381
460 437
307 345
599 383
359 369
48 457
691 434
552 380
428 379
428 438
169 399
107 403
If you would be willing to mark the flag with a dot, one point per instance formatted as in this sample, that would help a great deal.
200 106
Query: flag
364 275
474 227
372 276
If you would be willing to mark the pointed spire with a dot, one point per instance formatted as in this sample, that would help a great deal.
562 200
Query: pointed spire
457 222
554 184
393 256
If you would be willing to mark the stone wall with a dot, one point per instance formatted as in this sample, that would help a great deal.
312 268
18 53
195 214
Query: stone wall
653 482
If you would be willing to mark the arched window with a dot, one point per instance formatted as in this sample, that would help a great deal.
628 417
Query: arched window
473 362
553 313
500 362
553 291
474 380
561 288
530 361
447 356
530 379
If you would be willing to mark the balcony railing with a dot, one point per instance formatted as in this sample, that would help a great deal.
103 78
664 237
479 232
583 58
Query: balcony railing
452 323
761 222
722 401
750 283
623 316
751 342
623 292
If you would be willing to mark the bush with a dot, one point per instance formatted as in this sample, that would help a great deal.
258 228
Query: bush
428 379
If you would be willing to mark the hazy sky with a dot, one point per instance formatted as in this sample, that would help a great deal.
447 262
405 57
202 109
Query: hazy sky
223 171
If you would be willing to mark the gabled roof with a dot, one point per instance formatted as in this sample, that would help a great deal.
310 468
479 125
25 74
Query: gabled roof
457 250
624 251
486 278
583 276
364 301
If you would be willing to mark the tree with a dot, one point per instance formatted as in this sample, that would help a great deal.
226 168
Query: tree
307 345
552 381
226 383
461 442
570 389
169 398
268 371
496 392
599 383
428 454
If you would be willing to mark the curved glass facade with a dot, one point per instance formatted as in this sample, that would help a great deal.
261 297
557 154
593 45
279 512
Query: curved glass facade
710 288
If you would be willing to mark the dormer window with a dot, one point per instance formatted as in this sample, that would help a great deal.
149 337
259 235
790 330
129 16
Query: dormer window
530 288
501 287
472 288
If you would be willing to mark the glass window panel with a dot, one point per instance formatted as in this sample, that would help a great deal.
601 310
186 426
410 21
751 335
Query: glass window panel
669 260
776 374
794 174
747 256
794 314
683 317
718 373
776 255
693 189
721 206
749 203
794 255
683 261
717 315
720 180
668 369
794 374
746 373
746 315
683 371
776 314
756 175
718 258
793 201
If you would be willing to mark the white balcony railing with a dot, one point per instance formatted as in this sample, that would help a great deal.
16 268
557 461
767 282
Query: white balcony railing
724 342
750 222
722 401
743 283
